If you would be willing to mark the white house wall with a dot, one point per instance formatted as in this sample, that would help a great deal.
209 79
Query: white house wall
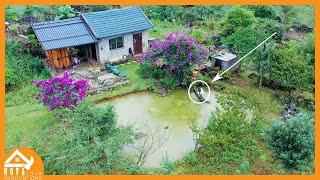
145 39
105 54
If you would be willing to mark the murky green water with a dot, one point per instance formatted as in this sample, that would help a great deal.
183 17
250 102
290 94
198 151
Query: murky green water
164 123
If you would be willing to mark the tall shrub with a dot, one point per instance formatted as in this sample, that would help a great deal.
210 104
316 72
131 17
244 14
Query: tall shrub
88 142
175 56
61 91
293 140
65 12
290 70
238 18
20 64
244 40
264 11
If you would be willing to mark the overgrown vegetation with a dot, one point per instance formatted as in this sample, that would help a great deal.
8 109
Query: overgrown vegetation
288 69
293 141
231 142
88 138
21 66
230 138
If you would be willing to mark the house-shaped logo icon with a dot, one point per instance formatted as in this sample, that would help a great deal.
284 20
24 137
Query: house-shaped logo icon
17 164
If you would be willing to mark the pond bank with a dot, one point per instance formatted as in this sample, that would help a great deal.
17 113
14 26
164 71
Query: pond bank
163 123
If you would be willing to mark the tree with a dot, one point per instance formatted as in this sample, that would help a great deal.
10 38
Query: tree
173 59
238 18
11 15
264 11
243 40
65 12
21 66
293 140
264 57
290 70
307 48
272 26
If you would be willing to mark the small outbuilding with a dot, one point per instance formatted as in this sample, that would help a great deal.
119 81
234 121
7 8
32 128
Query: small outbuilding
106 36
224 60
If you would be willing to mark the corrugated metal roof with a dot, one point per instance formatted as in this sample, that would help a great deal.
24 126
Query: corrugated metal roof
225 56
117 22
63 33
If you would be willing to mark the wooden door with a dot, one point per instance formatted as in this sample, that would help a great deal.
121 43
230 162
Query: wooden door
137 43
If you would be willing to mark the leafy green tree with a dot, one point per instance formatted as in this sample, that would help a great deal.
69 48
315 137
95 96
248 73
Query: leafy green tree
264 56
169 13
243 40
290 69
307 48
272 26
293 140
11 15
287 14
20 64
238 18
65 12
263 11
29 10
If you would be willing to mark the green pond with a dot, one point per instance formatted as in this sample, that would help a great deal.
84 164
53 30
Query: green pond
163 123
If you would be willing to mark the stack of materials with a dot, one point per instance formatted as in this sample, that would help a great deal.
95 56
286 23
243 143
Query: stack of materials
58 58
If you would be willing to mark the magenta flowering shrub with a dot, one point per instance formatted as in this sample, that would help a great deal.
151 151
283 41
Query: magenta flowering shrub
176 55
61 91
139 58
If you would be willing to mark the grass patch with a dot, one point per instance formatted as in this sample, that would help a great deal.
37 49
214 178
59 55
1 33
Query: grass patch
26 119
25 123
163 28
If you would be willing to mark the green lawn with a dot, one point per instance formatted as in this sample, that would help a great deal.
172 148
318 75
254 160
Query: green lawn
25 122
163 28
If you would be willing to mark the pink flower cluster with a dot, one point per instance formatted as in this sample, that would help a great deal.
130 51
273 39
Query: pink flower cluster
174 52
61 91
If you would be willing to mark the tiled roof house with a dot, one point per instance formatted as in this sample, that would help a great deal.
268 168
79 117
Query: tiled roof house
107 35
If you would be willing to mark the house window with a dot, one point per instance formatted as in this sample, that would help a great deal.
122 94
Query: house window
116 43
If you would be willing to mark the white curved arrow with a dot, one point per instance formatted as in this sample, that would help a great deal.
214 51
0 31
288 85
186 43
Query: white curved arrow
219 76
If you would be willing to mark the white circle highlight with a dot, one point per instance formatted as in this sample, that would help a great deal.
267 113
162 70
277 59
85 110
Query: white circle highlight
189 93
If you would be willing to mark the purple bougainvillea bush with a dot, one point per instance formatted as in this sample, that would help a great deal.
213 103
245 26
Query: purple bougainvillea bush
176 55
61 91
